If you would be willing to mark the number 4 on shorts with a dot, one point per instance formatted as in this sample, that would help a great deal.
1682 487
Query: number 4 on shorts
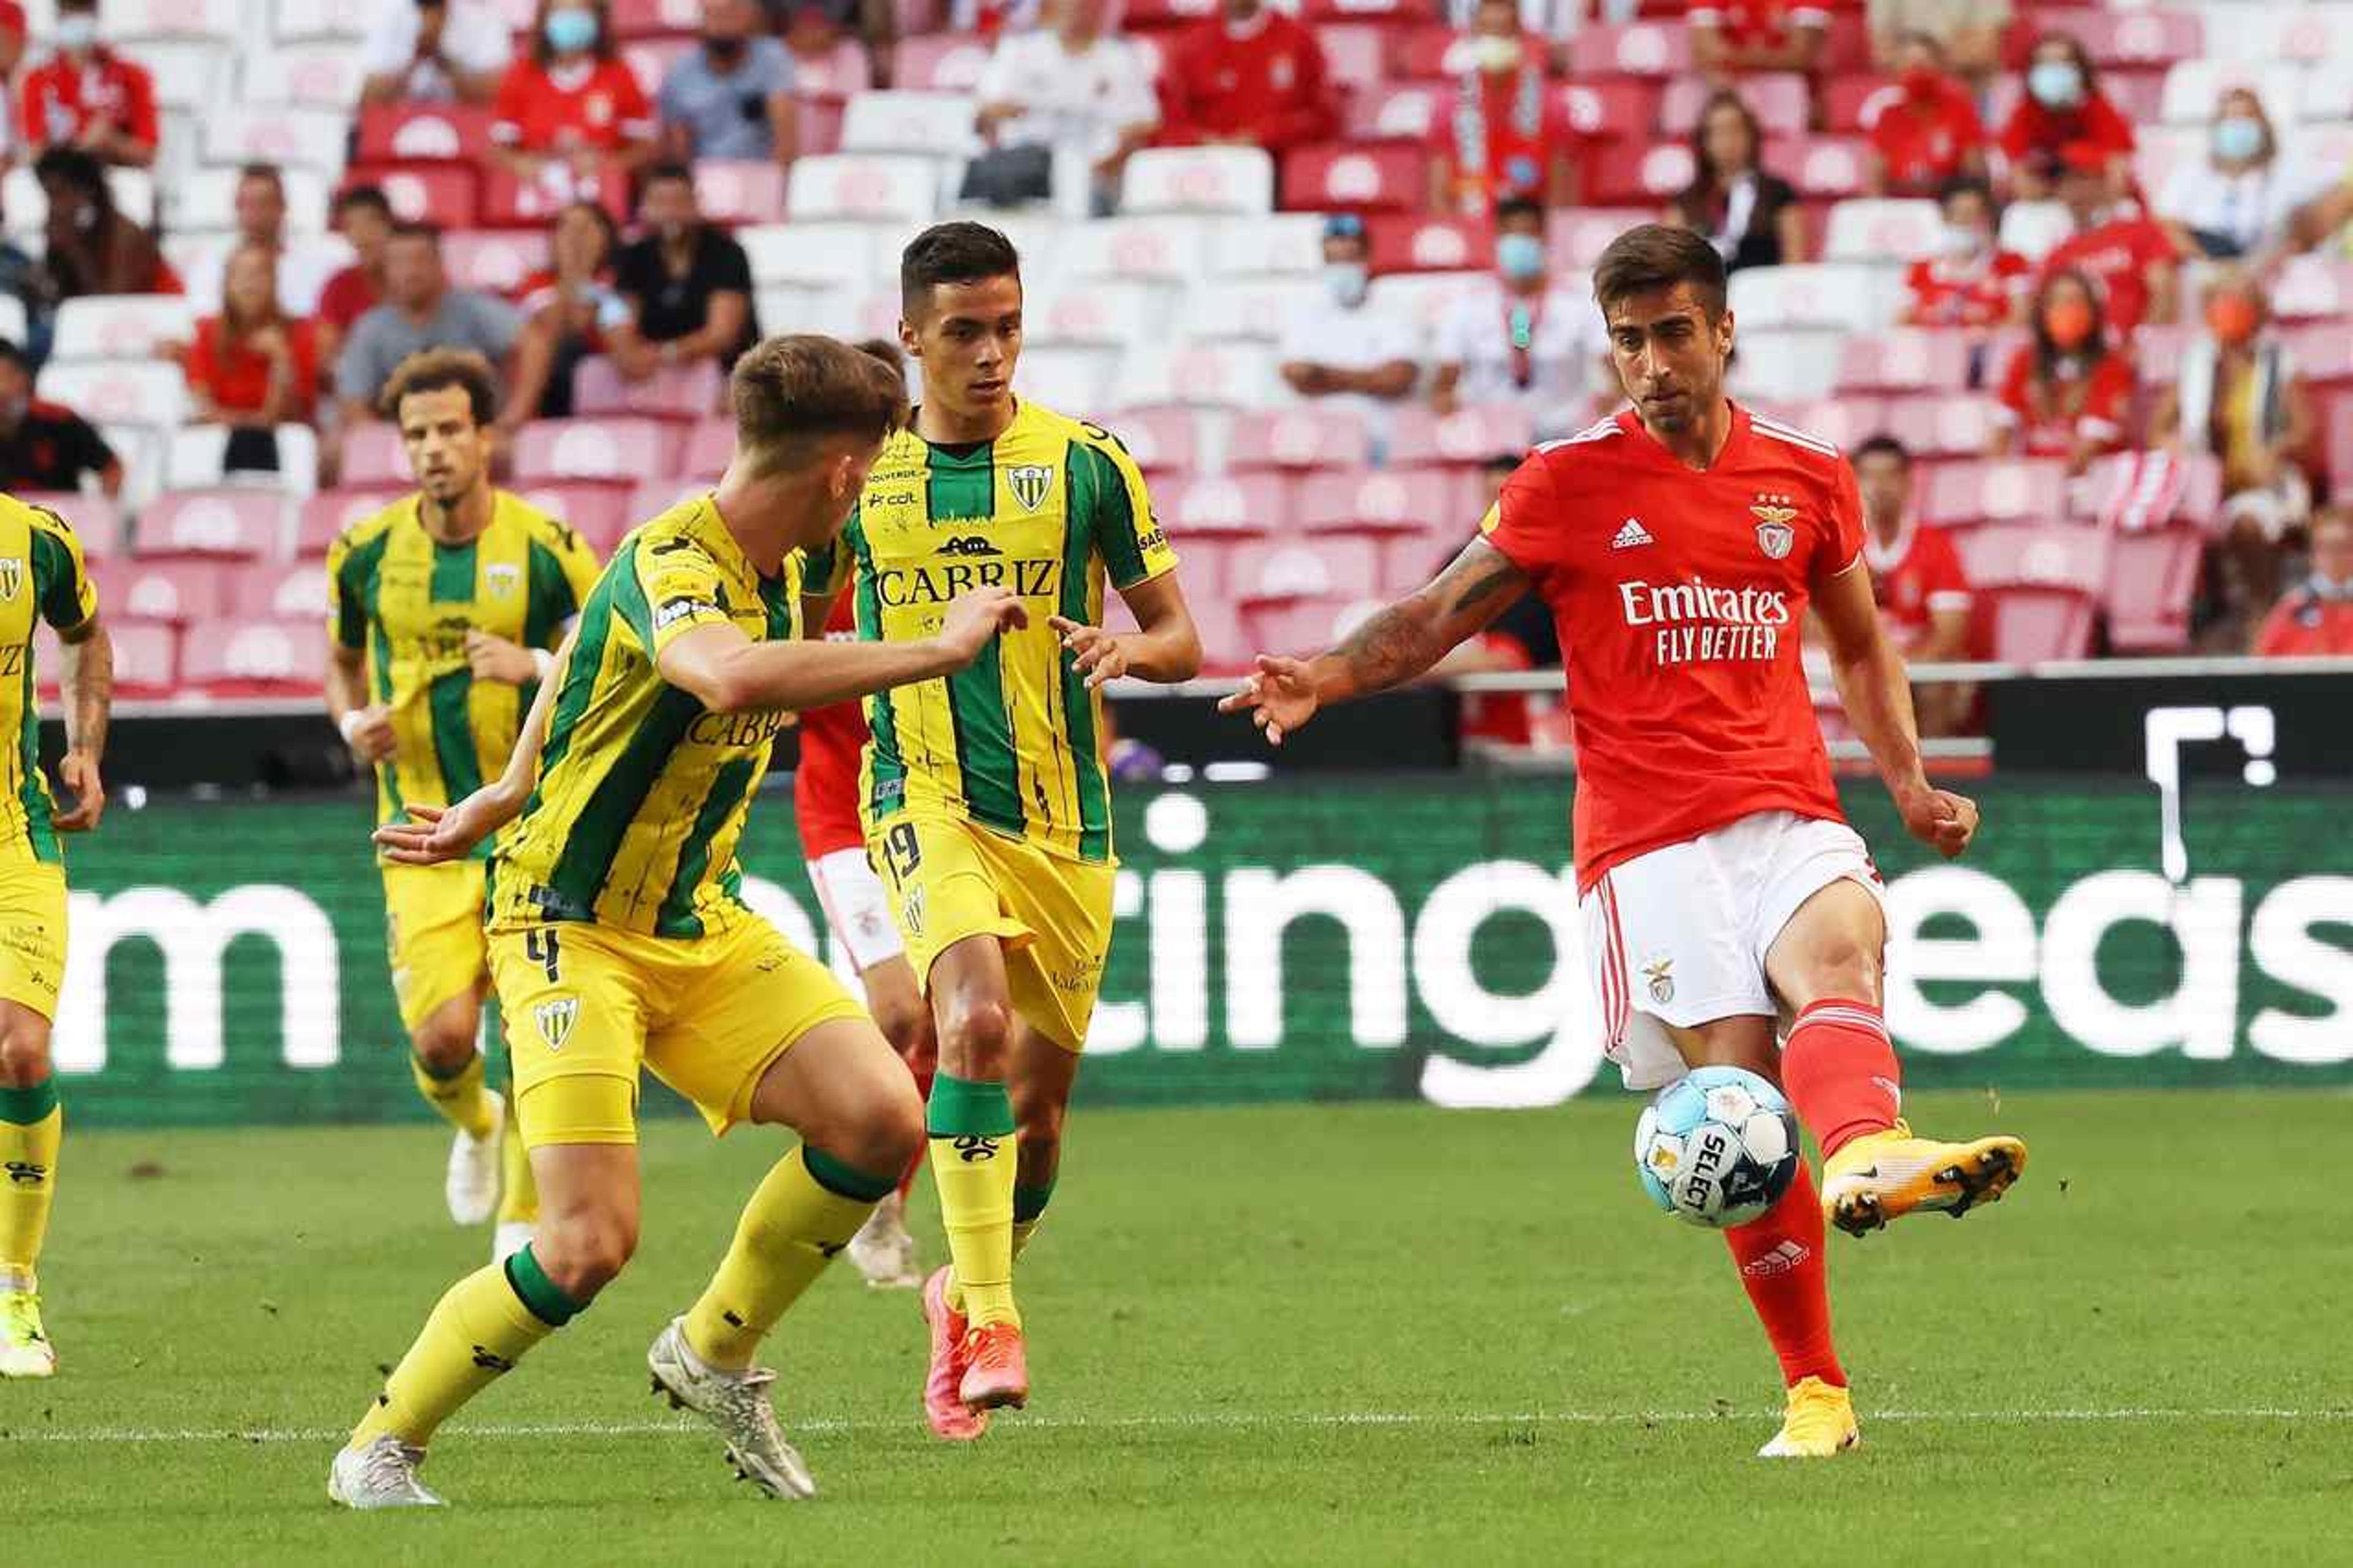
539 947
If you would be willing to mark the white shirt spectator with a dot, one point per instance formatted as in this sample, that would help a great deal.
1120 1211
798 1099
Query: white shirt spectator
1330 333
1565 341
474 39
1082 101
2249 207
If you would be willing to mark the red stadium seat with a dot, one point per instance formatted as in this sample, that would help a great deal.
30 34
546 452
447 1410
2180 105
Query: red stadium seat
290 591
1904 360
2035 625
1614 106
1819 165
95 521
146 658
237 524
651 59
1225 644
423 134
1418 439
1855 102
2139 38
1402 242
2152 577
326 515
1302 626
1578 235
254 658
1296 438
848 71
2035 555
1408 113
1636 172
2108 490
820 127
495 263
1955 425
1782 101
596 509
938 62
174 591
709 449
1635 48
1392 12
1387 501
1426 52
1845 422
1998 490
1367 179
1161 440
673 392
655 18
732 191
618 448
1271 570
1237 503
509 202
373 456
2323 352
647 499
445 193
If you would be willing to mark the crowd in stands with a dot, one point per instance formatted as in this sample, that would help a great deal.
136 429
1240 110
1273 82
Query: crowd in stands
1981 245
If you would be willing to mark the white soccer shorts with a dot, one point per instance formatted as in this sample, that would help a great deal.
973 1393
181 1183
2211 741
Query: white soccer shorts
1679 935
855 908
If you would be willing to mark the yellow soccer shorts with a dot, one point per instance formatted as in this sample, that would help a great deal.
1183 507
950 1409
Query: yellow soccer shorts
585 1005
949 879
433 935
33 934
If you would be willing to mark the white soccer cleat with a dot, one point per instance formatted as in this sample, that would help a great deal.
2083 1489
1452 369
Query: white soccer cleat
512 1236
24 1348
472 1187
736 1404
382 1475
883 1251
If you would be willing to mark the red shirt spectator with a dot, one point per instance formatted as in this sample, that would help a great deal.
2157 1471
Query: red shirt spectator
1505 133
237 376
1981 293
2306 624
1927 137
2047 418
1913 577
347 296
2062 109
2118 255
2033 129
1251 75
1758 24
543 109
62 98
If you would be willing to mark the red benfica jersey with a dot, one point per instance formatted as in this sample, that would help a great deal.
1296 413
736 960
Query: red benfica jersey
1678 596
1982 295
1913 579
825 785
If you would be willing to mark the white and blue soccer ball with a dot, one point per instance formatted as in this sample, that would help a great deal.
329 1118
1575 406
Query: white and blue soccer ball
1718 1147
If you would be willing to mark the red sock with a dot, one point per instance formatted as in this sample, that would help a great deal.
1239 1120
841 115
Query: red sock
1780 1261
1841 1072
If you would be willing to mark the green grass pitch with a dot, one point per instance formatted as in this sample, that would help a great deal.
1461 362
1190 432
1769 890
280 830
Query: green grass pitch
1359 1336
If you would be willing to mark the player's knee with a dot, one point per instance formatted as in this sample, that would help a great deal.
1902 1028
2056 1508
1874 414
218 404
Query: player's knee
1845 968
894 1130
23 1057
585 1251
444 1046
906 1023
976 1031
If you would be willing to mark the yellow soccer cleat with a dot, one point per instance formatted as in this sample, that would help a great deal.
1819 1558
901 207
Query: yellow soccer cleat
1819 1423
24 1348
1886 1176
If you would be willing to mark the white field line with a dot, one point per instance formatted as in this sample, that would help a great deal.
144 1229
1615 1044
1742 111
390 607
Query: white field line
1211 1420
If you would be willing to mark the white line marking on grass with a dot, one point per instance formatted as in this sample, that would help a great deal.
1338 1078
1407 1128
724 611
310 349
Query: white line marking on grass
1230 1420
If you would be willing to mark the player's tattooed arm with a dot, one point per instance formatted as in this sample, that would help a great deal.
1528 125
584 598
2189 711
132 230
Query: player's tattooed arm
86 677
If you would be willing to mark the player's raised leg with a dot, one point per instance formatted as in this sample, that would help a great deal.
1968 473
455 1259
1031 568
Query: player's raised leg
32 1127
1840 1073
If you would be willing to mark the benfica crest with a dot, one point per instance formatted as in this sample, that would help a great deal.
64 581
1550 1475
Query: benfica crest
1030 483
1774 515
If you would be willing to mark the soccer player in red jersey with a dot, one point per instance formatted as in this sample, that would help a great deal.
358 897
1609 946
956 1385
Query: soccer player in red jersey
1679 544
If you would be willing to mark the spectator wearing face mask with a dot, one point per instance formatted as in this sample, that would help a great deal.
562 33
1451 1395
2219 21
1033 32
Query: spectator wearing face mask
1931 134
2068 393
2129 256
1522 338
2242 197
1342 353
1750 216
731 97
434 51
2316 617
1506 134
1971 281
87 96
2062 107
572 108
2239 396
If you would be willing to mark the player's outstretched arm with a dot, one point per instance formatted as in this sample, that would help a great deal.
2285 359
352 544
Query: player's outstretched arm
435 834
1877 695
1392 647
87 678
727 672
1166 646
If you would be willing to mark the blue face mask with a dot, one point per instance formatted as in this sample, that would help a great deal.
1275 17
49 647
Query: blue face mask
569 32
2238 137
1520 256
2056 84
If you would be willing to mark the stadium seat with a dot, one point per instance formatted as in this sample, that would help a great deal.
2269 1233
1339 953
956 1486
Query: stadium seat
321 518
826 255
28 206
618 449
941 62
1389 500
928 124
1200 375
96 521
190 74
1209 180
1356 53
1422 298
2035 625
509 200
425 193
1306 626
1951 425
2152 578
174 591
12 319
423 132
1369 178
120 391
673 392
198 458
206 199
1576 237
1225 644
818 123
1407 113
130 21
1855 102
1846 422
146 660
1997 490
1425 52
1844 295
1613 107
1231 503
2122 492
1905 359
309 76
1418 439
2193 86
303 21
240 524
1403 242
373 456
740 191
1074 379
239 657
2139 38
1113 313
840 75
295 138
1819 167
1634 49
1161 440
650 60
2324 353
1391 13
710 447
656 18
1173 248
1638 174
1782 101
868 190
1295 438
1285 243
1267 570
1788 365
121 326
1256 309
2035 555
1881 231
598 511
288 591
496 263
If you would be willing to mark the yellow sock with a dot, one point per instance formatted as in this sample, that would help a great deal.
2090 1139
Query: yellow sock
806 1209
973 1159
460 1097
518 1192
479 1330
1028 1214
32 1125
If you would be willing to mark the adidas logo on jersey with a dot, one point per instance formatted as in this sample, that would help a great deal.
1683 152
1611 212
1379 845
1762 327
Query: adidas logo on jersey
1632 534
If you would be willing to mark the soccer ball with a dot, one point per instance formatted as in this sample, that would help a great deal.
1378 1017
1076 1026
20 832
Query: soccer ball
1718 1147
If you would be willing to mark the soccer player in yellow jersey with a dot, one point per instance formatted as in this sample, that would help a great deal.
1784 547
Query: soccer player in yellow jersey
619 938
442 613
986 794
41 576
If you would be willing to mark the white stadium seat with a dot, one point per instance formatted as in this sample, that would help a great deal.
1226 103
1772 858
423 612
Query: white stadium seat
1199 375
2193 86
123 392
844 185
934 124
1881 231
306 76
1115 314
302 137
122 21
1072 380
1794 365
1214 180
1284 242
121 326
816 255
199 453
1172 249
1257 309
190 73
1844 295
28 206
206 200
303 21
12 319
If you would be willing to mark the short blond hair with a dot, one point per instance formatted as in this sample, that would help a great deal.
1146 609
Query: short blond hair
794 391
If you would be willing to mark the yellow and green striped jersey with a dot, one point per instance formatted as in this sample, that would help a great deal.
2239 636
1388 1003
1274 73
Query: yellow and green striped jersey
407 600
1048 510
41 576
642 791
